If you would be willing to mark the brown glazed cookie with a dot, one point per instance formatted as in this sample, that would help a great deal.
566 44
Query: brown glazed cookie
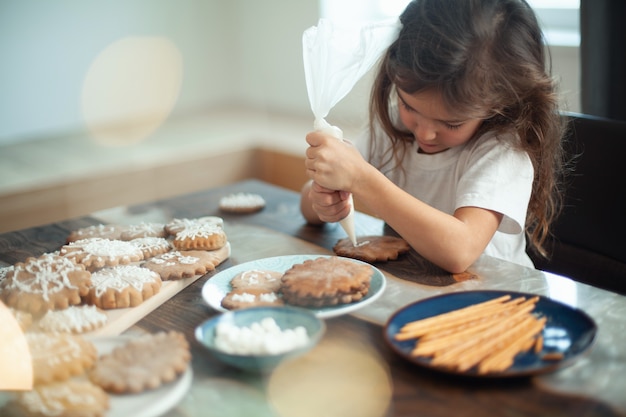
122 286
326 281
72 398
96 253
178 225
250 297
200 237
74 319
255 278
151 246
103 231
58 356
135 231
45 283
242 203
176 265
372 248
143 363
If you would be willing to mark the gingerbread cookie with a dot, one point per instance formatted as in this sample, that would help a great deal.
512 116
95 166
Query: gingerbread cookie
122 286
143 363
200 237
58 356
242 203
254 278
326 281
96 253
136 231
372 248
103 231
250 297
45 283
73 398
151 246
75 319
178 225
176 265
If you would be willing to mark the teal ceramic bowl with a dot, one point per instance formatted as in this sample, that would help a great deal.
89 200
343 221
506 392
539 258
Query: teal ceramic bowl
285 317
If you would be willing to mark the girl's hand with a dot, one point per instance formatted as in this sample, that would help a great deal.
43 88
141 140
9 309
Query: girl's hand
329 205
332 163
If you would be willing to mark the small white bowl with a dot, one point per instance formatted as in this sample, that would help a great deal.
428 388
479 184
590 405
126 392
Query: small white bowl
286 317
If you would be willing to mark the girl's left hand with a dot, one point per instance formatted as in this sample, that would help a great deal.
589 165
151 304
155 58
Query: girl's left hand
332 163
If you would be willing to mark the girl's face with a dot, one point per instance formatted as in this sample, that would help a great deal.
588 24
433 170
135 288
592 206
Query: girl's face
434 129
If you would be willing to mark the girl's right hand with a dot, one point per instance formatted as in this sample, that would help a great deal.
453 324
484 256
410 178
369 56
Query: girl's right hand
330 205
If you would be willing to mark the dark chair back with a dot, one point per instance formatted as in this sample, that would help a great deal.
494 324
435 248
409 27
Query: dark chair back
589 242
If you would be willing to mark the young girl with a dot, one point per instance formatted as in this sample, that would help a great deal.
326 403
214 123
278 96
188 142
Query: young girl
463 150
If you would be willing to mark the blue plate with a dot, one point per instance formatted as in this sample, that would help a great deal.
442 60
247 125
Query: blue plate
568 331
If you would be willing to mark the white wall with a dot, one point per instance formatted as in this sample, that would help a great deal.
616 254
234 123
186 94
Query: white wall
234 53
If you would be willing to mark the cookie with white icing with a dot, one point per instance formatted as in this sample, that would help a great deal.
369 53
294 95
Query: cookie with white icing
242 203
103 231
178 225
122 286
372 248
75 319
200 237
45 283
96 253
152 246
176 265
255 278
135 231
250 297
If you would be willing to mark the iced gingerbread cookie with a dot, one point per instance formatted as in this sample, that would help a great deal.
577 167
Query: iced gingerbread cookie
326 281
45 283
250 297
200 237
142 364
75 319
73 398
122 286
103 231
176 265
135 231
242 203
372 248
178 225
58 356
96 253
255 278
152 246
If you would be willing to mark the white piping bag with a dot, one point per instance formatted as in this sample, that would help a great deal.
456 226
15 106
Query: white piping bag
335 58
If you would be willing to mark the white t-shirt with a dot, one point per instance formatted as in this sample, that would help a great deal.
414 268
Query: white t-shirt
487 172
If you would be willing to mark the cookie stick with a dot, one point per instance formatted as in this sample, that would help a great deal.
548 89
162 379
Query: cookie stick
347 223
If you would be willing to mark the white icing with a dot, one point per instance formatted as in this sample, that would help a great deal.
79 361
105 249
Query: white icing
121 277
174 258
260 338
73 319
45 275
242 200
244 297
198 231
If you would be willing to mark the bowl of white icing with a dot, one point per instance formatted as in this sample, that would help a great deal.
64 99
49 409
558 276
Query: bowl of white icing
258 339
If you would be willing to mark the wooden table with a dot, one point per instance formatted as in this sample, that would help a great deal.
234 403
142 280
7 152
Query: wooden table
352 372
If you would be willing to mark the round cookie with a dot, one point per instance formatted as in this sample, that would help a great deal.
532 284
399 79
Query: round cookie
151 246
58 356
254 278
103 231
372 248
122 286
178 225
96 253
143 363
326 281
176 265
135 231
200 237
250 297
242 203
73 398
45 283
75 319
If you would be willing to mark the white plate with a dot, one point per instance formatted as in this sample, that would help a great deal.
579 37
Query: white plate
152 403
218 286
